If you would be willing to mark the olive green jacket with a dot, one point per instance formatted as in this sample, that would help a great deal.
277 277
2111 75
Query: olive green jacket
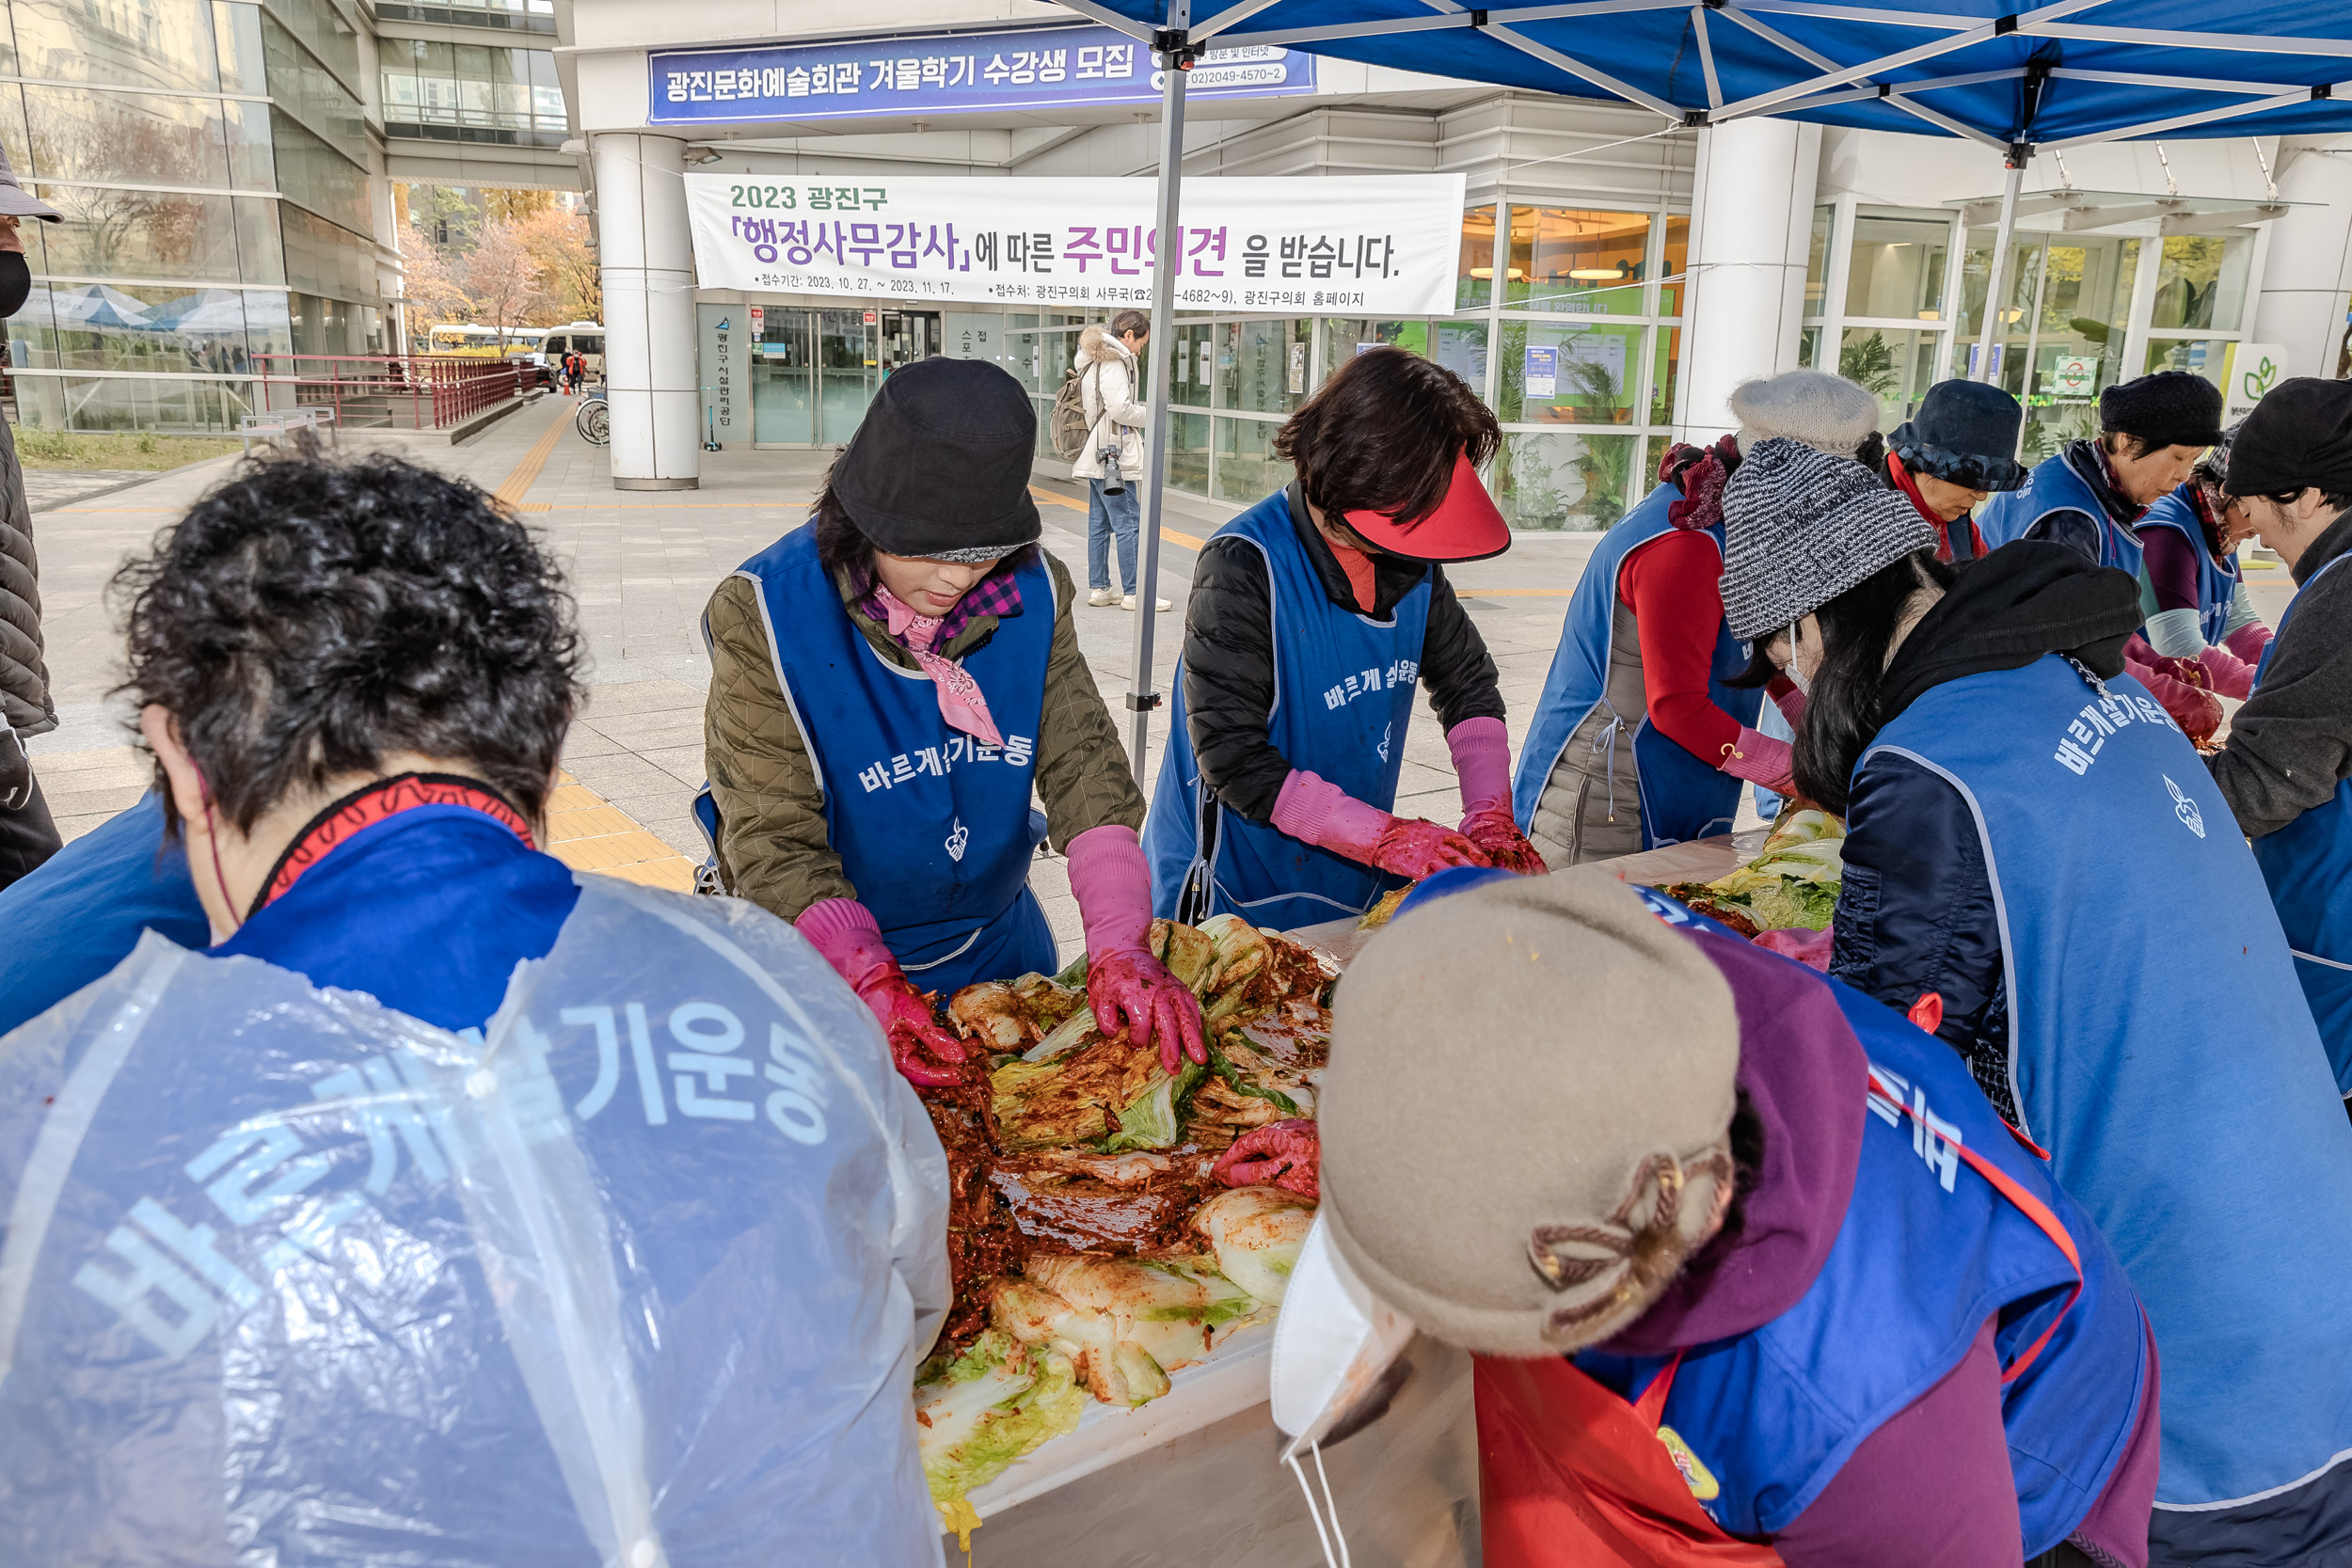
773 847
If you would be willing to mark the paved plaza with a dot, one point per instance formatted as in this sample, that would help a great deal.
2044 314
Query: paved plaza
641 567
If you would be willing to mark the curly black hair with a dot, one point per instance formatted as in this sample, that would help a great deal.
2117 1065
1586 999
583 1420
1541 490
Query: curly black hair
308 616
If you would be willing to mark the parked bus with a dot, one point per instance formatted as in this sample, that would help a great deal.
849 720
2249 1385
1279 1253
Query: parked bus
585 339
484 343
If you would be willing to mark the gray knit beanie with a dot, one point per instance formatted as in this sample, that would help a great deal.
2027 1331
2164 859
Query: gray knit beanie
1526 1121
1826 412
1801 527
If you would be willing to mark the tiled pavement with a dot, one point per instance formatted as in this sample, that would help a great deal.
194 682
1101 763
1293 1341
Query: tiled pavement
641 567
48 487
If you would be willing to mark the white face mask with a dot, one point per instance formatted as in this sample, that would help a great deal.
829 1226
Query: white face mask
1798 678
1332 1343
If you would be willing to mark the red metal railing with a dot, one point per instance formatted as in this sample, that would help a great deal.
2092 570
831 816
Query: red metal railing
402 392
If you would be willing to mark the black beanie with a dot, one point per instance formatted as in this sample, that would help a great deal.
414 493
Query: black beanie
2170 408
940 467
2298 436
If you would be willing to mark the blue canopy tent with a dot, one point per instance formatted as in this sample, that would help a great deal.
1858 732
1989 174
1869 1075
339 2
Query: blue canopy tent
2048 77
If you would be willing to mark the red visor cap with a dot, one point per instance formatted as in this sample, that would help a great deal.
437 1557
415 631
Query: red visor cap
1463 526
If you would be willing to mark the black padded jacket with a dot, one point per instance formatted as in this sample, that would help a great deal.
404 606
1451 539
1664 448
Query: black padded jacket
23 672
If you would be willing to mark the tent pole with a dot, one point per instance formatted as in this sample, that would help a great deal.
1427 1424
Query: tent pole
1997 274
1167 256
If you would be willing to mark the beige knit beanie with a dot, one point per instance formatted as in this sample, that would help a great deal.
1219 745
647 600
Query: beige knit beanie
1526 1119
1826 412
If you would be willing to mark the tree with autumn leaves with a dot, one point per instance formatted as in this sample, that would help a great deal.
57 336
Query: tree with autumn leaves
520 260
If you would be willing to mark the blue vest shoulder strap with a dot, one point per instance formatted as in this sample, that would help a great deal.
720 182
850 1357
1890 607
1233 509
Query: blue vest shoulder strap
1682 796
1579 667
931 824
1343 701
2217 582
2055 486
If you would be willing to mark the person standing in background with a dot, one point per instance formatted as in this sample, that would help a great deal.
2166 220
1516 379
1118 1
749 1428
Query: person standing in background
27 835
1107 360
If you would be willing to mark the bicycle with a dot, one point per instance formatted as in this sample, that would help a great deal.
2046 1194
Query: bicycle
594 419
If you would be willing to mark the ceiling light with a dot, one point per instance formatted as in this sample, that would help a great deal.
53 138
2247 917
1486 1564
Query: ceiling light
1592 273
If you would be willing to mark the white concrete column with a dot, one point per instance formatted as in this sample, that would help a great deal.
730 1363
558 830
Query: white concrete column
2308 275
1752 205
646 254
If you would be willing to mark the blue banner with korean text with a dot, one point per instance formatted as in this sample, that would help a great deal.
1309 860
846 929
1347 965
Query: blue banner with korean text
1033 68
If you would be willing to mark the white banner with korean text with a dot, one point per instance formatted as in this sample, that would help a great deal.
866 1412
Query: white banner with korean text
1385 247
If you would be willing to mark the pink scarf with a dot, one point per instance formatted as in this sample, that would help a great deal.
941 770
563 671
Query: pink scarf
959 699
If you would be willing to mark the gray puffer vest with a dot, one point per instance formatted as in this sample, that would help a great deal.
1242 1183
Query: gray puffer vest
23 674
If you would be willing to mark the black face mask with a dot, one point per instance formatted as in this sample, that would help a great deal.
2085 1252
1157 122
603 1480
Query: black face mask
16 282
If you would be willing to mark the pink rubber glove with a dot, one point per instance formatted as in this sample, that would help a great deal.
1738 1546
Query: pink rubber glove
2226 674
2179 684
844 931
1324 814
1129 988
1482 761
2248 643
1284 1154
1810 948
1761 760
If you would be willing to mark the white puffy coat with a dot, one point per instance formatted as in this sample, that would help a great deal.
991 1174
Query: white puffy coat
1107 380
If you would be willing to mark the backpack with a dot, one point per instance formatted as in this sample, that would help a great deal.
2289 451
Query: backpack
1068 426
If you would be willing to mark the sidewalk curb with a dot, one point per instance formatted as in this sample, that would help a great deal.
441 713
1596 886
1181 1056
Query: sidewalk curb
128 483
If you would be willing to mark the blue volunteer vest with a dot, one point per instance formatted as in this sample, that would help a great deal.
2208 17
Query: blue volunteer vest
2054 486
2217 584
931 827
2166 1065
2307 864
1343 697
1682 796
1928 1251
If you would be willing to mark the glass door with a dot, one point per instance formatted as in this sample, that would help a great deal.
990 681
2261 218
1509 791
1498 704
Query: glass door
784 393
845 372
907 335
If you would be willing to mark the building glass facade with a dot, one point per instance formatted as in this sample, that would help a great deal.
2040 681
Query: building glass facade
2080 311
208 158
471 92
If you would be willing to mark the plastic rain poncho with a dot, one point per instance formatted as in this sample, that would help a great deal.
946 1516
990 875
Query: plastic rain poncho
291 1279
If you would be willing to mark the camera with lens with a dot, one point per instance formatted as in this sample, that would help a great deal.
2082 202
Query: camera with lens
1112 483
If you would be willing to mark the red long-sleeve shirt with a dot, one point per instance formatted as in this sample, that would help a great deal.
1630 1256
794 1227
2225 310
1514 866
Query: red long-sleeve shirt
1670 583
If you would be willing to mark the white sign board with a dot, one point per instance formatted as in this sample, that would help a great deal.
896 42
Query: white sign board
2073 376
1542 370
2254 369
1373 246
967 335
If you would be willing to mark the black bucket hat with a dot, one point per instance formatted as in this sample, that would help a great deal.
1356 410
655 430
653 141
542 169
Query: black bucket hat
940 467
1965 433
